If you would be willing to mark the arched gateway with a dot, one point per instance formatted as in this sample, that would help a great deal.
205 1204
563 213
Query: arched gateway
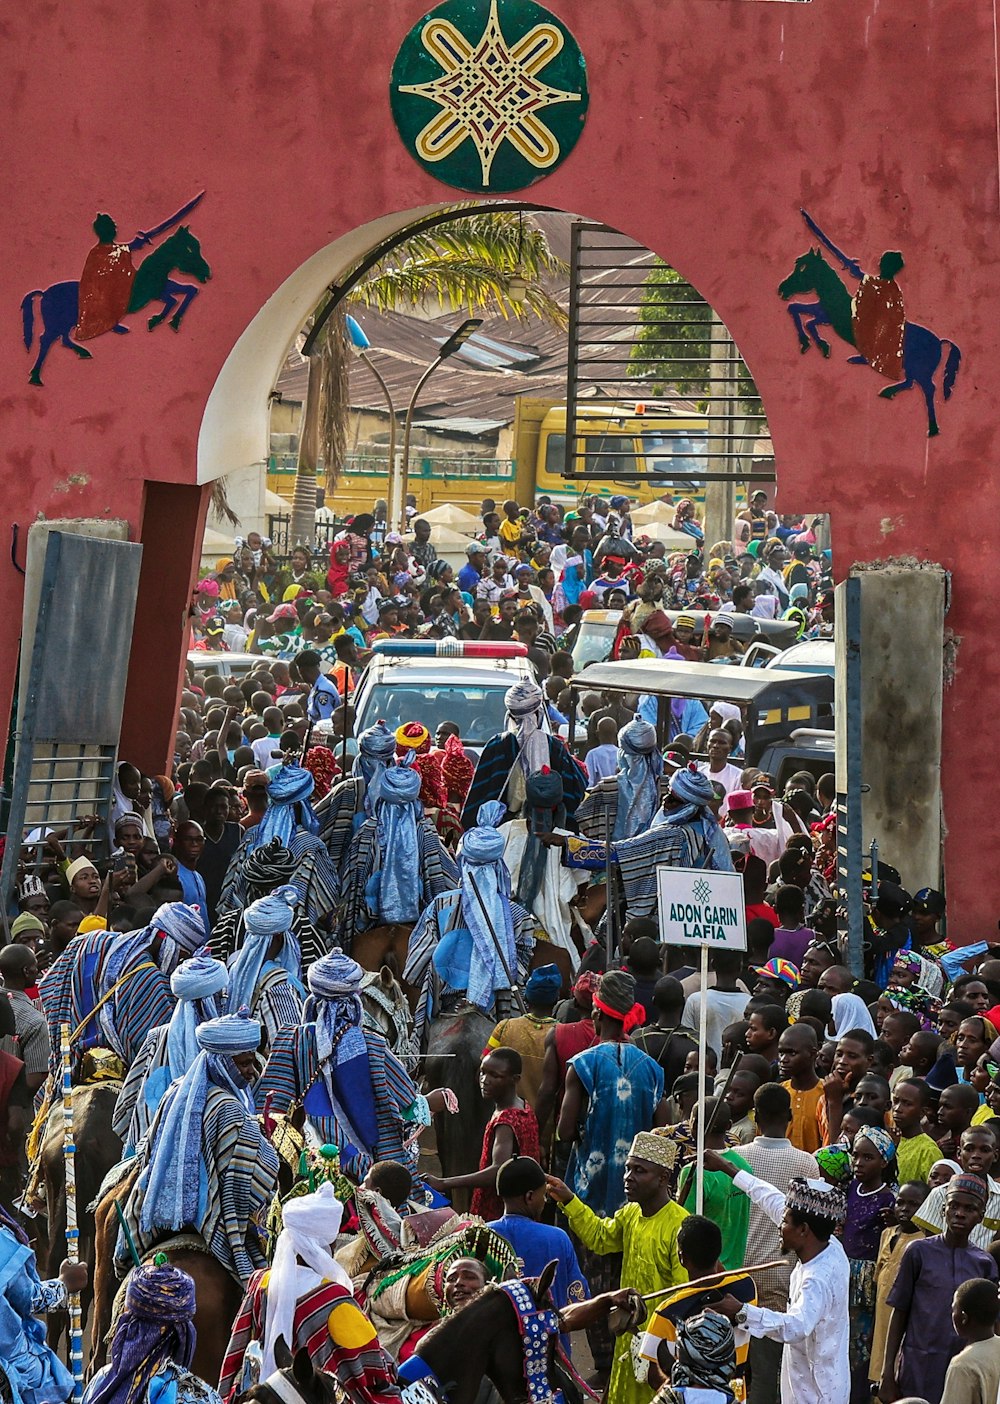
709 125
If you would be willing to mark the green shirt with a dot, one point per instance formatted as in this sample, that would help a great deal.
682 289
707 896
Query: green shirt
726 1205
649 1261
915 1156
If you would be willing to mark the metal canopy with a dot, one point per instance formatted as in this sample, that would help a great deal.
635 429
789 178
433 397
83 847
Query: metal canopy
668 677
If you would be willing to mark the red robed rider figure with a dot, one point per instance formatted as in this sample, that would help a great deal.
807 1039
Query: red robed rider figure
106 281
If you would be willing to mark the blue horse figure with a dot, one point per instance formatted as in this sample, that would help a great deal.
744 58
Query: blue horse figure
60 302
922 348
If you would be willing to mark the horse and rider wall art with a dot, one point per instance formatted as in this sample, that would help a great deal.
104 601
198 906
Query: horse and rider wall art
112 287
871 319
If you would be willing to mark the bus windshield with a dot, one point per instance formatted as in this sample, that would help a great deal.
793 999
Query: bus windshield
675 453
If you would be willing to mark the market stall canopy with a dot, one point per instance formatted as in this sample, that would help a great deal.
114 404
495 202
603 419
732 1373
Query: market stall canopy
457 518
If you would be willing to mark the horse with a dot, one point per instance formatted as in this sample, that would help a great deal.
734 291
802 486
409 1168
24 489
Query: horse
387 1011
385 947
485 1338
922 348
98 1149
60 302
295 1378
454 1051
217 1293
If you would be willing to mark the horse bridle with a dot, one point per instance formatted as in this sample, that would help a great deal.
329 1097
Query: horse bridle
283 1388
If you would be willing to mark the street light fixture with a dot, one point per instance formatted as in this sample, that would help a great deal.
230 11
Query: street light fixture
455 342
362 345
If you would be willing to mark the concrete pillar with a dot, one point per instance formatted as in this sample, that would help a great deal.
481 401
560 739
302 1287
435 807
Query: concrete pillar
902 665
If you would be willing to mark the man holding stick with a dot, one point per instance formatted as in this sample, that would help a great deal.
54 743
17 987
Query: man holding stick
814 1329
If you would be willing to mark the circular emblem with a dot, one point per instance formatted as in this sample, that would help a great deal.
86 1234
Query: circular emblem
489 95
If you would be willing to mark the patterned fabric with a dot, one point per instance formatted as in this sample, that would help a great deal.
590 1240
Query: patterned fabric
229 931
156 1326
486 1203
494 768
339 814
438 871
441 915
623 1086
293 1068
536 1328
242 1178
600 807
330 1325
677 846
314 874
81 976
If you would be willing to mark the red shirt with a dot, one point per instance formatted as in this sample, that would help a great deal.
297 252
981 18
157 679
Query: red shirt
522 1122
763 911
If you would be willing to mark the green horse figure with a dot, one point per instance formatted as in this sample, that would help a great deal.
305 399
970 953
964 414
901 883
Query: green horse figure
60 302
921 349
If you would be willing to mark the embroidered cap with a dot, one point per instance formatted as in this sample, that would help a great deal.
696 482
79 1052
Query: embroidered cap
659 1150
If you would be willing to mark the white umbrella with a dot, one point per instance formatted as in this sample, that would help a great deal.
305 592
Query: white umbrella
457 518
653 512
660 531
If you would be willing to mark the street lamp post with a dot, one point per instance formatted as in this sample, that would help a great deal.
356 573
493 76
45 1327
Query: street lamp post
397 510
362 345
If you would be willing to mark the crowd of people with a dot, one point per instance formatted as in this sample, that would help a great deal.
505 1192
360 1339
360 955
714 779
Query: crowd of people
264 958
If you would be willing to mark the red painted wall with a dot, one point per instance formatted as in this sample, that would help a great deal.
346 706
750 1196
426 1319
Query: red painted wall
711 123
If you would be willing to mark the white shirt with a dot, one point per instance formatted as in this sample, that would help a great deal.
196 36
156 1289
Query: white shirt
266 751
730 777
815 1368
724 1007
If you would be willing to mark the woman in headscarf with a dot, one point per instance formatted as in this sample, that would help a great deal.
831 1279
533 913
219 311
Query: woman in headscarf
396 863
170 1049
870 1198
851 1012
686 521
452 945
522 750
265 976
307 1300
208 1166
152 1345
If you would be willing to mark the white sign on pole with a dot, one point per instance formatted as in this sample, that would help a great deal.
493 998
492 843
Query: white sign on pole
708 910
701 908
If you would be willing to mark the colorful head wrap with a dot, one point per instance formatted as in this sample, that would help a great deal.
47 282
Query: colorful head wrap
586 982
396 814
155 1328
412 736
640 766
485 905
835 1163
208 586
322 766
684 621
880 1139
194 983
706 1356
376 751
615 997
288 807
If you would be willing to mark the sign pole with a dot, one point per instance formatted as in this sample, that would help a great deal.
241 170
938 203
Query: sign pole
699 1190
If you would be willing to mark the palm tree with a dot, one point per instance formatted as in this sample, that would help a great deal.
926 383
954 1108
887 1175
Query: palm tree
466 265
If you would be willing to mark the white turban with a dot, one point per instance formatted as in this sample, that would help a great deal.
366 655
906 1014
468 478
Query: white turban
311 1224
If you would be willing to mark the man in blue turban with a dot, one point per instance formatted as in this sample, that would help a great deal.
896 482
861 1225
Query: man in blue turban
623 804
170 1049
207 1167
152 1345
265 975
112 988
356 1093
396 863
263 871
454 949
684 834
290 819
352 800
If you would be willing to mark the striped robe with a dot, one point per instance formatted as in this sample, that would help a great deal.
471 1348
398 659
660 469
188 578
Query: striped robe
229 931
330 1325
340 814
669 845
598 813
315 877
76 981
294 1066
242 1180
276 1002
439 873
439 917
136 1105
496 763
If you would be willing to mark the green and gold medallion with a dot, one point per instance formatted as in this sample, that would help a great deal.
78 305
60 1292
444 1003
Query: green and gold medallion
489 95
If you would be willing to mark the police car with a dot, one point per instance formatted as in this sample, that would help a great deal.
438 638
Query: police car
438 680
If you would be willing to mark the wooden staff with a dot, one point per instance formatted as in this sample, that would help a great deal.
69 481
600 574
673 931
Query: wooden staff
72 1231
